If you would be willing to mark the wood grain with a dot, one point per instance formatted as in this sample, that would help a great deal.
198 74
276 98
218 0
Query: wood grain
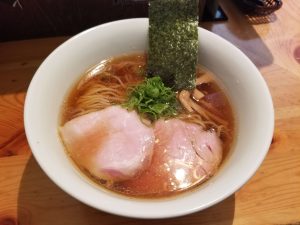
271 197
18 62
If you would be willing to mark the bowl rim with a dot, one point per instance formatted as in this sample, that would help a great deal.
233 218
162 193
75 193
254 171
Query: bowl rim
137 214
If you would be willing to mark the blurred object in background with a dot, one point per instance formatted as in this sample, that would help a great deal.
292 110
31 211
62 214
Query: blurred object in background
212 11
258 7
26 19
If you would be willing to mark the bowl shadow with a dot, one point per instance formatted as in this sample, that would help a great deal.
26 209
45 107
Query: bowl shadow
41 202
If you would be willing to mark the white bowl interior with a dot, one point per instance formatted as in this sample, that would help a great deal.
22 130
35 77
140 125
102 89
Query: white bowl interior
243 84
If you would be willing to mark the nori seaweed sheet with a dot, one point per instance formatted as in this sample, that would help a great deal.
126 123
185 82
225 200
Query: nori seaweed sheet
173 42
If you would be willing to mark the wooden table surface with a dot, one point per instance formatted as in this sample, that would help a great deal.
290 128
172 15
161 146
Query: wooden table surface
272 196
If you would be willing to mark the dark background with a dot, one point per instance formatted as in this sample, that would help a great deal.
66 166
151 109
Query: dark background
26 19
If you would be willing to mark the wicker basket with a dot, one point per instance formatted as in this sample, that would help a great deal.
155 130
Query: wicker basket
259 7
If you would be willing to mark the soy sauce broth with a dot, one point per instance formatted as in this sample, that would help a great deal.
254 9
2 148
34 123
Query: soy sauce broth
149 184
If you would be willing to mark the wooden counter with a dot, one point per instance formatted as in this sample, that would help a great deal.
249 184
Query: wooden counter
271 197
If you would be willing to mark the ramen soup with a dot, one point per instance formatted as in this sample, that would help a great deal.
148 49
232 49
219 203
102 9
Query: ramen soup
134 136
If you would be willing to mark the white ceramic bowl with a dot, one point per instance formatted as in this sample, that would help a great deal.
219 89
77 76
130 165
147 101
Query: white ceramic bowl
243 83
